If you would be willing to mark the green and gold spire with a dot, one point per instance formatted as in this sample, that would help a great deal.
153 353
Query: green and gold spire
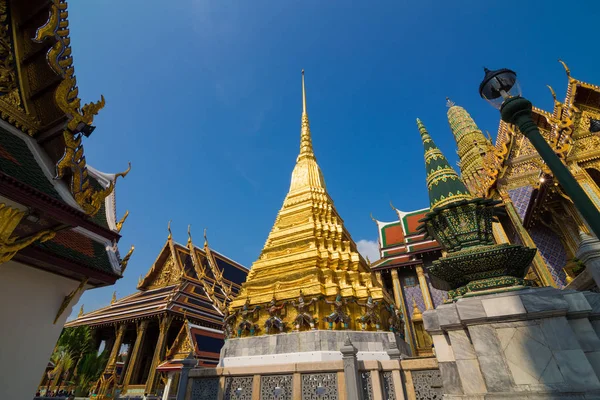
443 184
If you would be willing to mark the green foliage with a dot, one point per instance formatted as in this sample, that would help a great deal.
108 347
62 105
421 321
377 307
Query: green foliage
89 369
75 356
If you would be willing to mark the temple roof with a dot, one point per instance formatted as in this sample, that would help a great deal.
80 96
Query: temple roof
400 241
185 281
192 341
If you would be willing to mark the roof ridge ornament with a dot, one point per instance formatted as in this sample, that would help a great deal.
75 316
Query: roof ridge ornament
567 70
125 259
449 103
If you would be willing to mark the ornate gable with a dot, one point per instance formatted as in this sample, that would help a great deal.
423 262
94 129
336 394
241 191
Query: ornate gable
183 346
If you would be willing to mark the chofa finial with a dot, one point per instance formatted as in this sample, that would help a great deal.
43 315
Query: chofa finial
567 70
169 229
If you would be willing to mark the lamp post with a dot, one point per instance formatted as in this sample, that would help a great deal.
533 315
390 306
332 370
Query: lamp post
501 89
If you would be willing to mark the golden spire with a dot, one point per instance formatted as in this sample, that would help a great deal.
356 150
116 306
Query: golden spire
307 175
80 312
114 298
303 95
308 249
306 149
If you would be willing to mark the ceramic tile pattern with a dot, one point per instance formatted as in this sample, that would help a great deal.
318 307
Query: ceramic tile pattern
437 295
520 198
553 252
411 292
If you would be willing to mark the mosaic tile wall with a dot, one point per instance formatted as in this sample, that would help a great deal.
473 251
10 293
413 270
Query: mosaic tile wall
437 296
520 198
551 249
411 292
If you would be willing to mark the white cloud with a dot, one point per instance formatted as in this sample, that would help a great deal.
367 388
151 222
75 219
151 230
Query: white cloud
368 248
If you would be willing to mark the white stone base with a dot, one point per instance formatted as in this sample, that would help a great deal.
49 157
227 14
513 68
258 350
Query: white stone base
287 358
535 343
308 346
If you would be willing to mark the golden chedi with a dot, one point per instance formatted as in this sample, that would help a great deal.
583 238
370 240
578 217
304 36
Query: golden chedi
309 274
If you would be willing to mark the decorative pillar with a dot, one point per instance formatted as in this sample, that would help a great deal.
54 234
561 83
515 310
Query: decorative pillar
114 353
186 365
134 358
351 374
400 305
378 277
424 288
168 385
159 353
499 233
538 262
396 355
108 376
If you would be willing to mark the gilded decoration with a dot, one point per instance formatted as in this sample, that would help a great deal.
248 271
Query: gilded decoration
309 262
80 118
69 298
125 259
10 245
11 102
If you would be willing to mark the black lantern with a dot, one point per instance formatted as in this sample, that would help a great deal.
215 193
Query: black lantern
498 86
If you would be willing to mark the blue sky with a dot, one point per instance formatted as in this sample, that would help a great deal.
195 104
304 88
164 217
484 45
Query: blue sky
204 98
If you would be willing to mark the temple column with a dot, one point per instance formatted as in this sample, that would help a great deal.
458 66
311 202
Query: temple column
108 378
400 305
159 353
424 288
134 357
168 385
538 262
499 233
114 353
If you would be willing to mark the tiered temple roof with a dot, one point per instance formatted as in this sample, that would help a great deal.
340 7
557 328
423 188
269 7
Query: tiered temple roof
64 219
185 281
400 242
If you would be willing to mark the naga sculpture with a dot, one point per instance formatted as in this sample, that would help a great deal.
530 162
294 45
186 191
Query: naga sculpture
274 320
370 316
338 314
303 317
247 323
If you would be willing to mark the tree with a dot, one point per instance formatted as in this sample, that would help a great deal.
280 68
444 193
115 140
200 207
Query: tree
63 362
73 346
88 371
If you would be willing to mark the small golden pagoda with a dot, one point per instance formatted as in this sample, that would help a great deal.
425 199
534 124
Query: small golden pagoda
309 274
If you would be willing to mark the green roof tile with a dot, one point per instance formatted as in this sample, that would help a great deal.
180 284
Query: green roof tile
17 161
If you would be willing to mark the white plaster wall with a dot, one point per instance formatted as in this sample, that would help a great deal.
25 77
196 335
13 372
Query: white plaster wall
29 301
